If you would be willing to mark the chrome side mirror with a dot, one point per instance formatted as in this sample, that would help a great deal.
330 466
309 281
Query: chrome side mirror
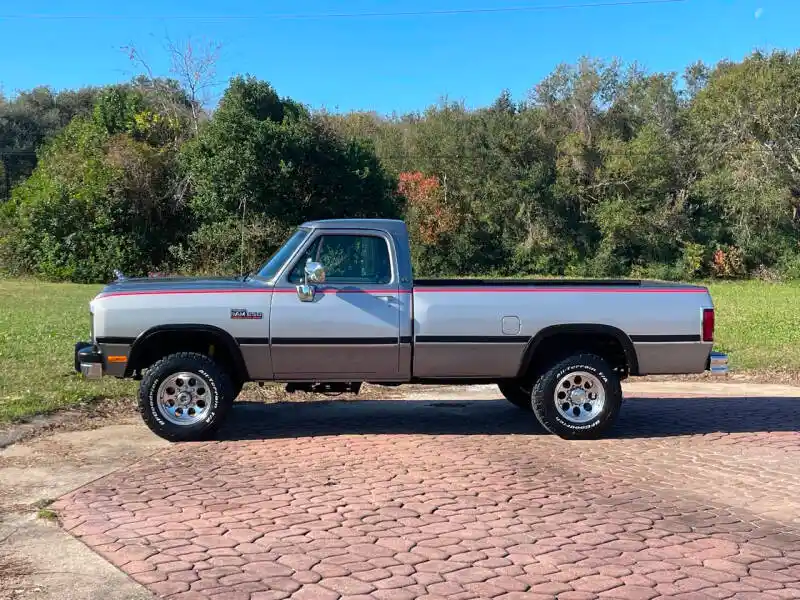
314 274
305 292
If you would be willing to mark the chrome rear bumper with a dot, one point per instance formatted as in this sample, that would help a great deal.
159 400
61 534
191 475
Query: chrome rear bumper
718 363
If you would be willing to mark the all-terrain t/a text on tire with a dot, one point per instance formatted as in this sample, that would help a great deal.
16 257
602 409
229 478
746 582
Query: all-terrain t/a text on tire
578 398
185 397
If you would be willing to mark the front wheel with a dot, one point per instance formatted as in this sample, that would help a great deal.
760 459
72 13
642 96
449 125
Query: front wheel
185 397
578 398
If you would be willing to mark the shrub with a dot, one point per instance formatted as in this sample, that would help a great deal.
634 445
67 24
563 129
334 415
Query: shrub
693 259
94 203
728 262
789 266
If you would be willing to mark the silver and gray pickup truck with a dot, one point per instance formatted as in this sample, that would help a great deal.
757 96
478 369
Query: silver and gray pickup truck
337 305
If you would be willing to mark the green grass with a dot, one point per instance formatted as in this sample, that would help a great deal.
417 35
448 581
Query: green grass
44 512
757 323
39 325
47 514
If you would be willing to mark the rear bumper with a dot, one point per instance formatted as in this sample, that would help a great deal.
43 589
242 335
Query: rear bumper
717 363
88 360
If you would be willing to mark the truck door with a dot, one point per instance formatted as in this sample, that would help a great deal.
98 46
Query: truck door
350 330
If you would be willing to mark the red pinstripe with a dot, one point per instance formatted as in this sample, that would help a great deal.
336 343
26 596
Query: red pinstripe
445 290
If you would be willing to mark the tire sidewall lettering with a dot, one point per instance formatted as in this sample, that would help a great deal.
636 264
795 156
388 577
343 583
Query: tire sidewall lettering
544 402
586 427
165 370
153 400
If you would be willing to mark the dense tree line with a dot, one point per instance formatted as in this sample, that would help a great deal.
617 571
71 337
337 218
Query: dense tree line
603 169
133 185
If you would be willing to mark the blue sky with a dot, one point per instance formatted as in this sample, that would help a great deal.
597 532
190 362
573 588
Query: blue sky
384 63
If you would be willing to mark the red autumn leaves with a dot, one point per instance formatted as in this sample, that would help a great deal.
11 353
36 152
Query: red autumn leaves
430 215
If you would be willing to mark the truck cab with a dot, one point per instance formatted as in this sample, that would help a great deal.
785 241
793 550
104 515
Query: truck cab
349 316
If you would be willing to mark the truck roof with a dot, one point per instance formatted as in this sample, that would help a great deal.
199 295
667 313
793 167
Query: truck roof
389 225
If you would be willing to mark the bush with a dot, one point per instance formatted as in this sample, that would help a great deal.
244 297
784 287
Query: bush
660 271
693 260
789 266
768 274
220 248
728 262
95 203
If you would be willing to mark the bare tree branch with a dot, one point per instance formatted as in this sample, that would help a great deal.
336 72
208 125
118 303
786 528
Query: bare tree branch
195 67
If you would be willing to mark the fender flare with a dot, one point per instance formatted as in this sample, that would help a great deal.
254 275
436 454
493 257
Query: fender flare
225 338
580 329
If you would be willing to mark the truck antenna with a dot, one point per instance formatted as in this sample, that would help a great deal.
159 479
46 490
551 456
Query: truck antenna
241 251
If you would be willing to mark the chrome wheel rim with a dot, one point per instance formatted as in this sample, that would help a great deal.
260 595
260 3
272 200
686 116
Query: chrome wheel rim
579 397
184 398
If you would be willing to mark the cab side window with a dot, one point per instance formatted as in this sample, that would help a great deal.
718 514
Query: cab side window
355 259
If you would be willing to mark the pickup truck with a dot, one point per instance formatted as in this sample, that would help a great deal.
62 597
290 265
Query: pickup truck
337 306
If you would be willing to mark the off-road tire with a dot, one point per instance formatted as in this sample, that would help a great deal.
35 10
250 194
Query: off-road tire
544 398
516 394
221 396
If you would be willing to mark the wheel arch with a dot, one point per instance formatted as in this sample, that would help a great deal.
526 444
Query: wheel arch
175 336
575 333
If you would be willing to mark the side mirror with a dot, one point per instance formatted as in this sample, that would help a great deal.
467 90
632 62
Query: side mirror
314 274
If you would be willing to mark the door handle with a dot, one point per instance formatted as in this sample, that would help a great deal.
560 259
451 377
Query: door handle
387 298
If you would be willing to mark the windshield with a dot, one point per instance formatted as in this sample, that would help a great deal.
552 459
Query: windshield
270 268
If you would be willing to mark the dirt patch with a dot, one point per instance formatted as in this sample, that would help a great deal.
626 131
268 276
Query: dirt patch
12 567
93 416
275 392
13 585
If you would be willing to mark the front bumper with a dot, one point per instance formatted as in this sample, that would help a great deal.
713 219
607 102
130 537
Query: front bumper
88 360
718 363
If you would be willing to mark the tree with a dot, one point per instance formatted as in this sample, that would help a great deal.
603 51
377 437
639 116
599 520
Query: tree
263 163
95 202
187 96
29 120
195 66
746 126
428 214
605 169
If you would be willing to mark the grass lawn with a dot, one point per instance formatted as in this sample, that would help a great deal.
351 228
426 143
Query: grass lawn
39 325
757 323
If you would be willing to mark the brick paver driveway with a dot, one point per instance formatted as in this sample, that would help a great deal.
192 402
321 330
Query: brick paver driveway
461 499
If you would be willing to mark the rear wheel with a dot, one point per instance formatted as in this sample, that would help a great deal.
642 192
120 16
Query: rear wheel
578 398
185 397
516 393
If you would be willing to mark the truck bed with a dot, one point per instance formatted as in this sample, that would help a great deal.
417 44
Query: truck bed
465 327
